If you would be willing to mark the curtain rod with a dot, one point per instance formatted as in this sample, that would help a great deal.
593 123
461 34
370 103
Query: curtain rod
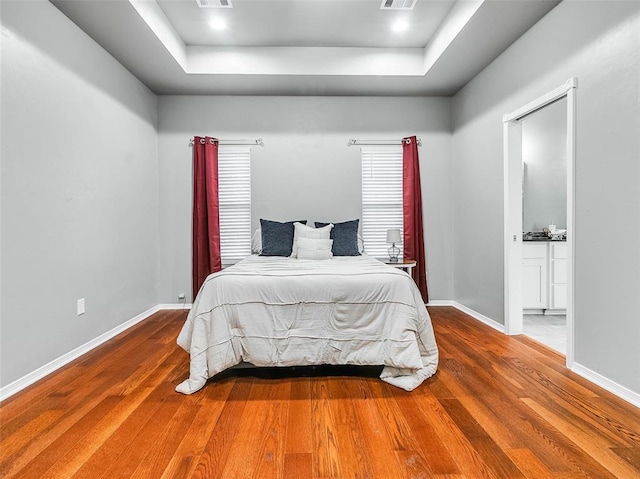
353 142
258 142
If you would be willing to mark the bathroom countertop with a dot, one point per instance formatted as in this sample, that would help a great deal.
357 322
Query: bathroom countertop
538 236
543 240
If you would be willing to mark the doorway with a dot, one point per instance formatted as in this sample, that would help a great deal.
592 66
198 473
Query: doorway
551 257
544 224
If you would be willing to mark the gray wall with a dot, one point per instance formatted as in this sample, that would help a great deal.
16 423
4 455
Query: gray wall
305 170
79 189
544 151
597 42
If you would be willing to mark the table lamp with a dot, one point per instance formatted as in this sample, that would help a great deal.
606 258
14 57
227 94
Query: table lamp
393 237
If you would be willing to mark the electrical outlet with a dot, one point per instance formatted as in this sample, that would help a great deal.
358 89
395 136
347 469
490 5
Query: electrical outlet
80 307
181 297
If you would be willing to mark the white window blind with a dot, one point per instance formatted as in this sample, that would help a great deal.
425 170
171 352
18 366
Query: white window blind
234 194
381 198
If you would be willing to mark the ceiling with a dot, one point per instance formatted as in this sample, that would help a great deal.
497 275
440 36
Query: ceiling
305 47
305 23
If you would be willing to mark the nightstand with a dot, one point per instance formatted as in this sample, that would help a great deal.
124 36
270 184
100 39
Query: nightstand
406 266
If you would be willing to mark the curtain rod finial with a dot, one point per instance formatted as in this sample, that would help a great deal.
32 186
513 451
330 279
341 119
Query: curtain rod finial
402 141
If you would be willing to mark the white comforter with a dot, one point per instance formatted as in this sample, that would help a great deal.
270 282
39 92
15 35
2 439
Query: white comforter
274 311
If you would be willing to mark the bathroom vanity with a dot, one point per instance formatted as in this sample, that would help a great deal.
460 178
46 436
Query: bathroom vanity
544 277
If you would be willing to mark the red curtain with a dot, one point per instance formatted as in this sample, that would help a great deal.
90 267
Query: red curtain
206 211
412 212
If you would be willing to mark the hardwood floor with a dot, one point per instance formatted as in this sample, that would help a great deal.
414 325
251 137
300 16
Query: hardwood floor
498 407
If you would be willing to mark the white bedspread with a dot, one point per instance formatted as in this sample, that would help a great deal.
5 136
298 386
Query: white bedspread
274 311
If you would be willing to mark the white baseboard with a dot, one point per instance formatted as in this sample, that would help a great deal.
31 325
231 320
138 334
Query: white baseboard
441 302
474 314
605 383
174 306
32 377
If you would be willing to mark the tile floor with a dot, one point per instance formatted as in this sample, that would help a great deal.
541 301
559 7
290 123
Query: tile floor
549 330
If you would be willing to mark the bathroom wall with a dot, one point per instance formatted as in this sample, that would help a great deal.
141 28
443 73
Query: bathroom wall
544 154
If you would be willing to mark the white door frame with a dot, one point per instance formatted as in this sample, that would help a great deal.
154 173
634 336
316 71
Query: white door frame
512 128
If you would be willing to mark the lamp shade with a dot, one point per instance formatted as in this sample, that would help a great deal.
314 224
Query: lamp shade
393 235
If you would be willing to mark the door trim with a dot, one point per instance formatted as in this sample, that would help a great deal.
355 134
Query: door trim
512 147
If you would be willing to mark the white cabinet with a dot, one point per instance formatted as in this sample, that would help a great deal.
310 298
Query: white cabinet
544 276
558 276
534 276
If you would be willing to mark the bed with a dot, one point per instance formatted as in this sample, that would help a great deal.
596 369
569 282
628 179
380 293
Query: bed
282 311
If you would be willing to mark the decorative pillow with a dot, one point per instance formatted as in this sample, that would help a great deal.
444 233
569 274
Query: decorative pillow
345 238
277 238
303 231
310 248
256 241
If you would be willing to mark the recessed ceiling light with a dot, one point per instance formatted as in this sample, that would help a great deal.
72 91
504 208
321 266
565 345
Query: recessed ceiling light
400 25
218 23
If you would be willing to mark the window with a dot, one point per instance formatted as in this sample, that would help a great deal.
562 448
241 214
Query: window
381 197
234 193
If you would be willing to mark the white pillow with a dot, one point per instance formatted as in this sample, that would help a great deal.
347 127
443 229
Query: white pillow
256 242
304 231
309 248
315 243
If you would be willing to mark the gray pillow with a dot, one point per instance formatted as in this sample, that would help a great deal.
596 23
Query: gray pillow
277 238
345 237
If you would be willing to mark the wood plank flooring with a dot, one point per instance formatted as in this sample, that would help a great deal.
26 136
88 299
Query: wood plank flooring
498 407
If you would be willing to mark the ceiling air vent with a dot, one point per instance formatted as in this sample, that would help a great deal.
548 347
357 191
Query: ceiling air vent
398 4
214 3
